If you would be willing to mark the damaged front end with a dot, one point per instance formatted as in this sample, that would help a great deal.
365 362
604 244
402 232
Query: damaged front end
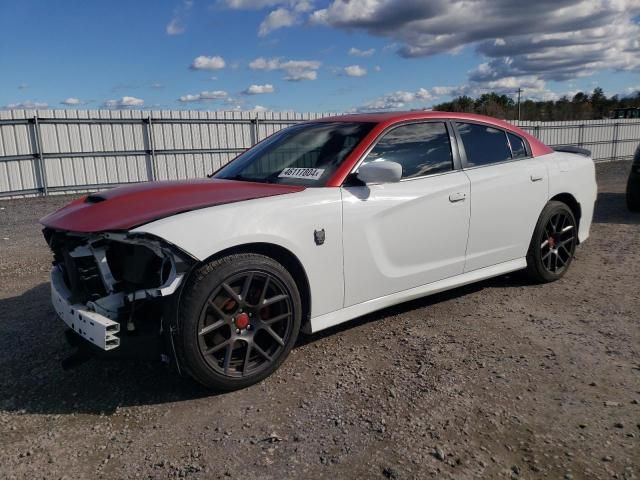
115 289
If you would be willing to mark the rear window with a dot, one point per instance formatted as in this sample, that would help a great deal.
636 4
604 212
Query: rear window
483 144
518 147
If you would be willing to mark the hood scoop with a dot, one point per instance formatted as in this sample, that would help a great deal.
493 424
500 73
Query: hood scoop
95 198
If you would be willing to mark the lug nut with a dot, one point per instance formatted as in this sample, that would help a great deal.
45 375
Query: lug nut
237 330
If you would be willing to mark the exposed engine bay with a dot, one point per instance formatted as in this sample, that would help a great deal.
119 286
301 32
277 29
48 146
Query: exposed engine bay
106 286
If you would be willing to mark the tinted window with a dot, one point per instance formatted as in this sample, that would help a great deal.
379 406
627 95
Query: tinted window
421 149
306 154
483 144
517 146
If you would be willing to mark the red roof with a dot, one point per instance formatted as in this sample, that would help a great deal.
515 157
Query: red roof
395 117
386 119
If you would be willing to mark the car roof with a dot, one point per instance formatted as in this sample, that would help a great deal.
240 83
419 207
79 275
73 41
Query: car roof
386 119
395 117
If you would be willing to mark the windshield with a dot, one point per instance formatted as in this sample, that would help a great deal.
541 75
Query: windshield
306 154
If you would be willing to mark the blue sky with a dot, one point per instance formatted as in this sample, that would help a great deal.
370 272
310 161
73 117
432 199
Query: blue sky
307 55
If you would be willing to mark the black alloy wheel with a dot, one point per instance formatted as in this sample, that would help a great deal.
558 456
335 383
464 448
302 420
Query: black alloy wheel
245 323
237 321
558 246
553 244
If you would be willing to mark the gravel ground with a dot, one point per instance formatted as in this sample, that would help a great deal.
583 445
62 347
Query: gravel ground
502 379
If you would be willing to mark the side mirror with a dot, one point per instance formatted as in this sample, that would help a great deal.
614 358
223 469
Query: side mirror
382 171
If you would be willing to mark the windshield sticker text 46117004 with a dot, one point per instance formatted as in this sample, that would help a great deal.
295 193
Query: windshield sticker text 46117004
302 173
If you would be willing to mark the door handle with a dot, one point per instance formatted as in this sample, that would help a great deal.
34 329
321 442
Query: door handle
457 197
536 178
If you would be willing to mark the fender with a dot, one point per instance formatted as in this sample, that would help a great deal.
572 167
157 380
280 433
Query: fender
574 174
281 220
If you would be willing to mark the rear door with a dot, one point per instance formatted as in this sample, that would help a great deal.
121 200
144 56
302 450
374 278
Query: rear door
397 236
509 189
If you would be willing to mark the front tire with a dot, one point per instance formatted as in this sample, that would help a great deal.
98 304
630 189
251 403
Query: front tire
238 319
553 243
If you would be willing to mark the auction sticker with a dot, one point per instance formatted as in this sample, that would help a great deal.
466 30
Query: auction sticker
302 173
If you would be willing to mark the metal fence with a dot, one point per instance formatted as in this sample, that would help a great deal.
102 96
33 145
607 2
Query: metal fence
607 139
67 151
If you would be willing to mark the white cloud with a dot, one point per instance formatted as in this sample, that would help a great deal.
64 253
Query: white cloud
297 5
23 86
28 105
396 100
204 96
632 91
259 108
262 63
447 91
156 85
355 71
176 25
208 63
295 70
189 98
71 101
287 14
124 102
552 40
259 89
356 52
279 18
251 4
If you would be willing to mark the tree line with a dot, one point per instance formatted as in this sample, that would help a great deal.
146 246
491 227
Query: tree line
581 107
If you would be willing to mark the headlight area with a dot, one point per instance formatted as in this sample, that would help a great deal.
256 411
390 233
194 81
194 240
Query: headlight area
110 286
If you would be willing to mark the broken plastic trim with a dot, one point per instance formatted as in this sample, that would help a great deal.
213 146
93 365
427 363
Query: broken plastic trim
174 266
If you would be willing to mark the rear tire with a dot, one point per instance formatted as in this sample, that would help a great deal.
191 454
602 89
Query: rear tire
553 243
238 319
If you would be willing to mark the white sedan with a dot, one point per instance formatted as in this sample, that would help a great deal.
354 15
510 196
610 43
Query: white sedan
318 224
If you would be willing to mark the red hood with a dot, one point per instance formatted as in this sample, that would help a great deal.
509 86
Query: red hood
123 208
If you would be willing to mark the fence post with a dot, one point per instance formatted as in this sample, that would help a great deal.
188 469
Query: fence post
614 146
151 169
41 166
254 131
581 135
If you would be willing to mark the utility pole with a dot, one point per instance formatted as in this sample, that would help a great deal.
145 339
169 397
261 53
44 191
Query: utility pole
519 92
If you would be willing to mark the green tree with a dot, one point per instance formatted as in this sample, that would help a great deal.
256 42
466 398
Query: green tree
581 106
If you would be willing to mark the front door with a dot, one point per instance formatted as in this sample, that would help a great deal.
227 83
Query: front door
403 235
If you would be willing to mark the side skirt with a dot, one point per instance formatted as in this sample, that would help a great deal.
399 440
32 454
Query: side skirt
349 313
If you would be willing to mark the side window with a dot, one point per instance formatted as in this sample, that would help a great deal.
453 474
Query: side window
518 148
483 144
421 149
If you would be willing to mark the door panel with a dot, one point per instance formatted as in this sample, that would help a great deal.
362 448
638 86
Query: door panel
402 235
506 200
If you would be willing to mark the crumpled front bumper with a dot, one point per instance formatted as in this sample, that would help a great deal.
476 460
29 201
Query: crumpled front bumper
97 329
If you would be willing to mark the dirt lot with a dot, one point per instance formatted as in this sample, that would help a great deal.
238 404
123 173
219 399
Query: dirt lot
502 379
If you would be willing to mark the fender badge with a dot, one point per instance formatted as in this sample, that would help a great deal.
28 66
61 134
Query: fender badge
318 236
